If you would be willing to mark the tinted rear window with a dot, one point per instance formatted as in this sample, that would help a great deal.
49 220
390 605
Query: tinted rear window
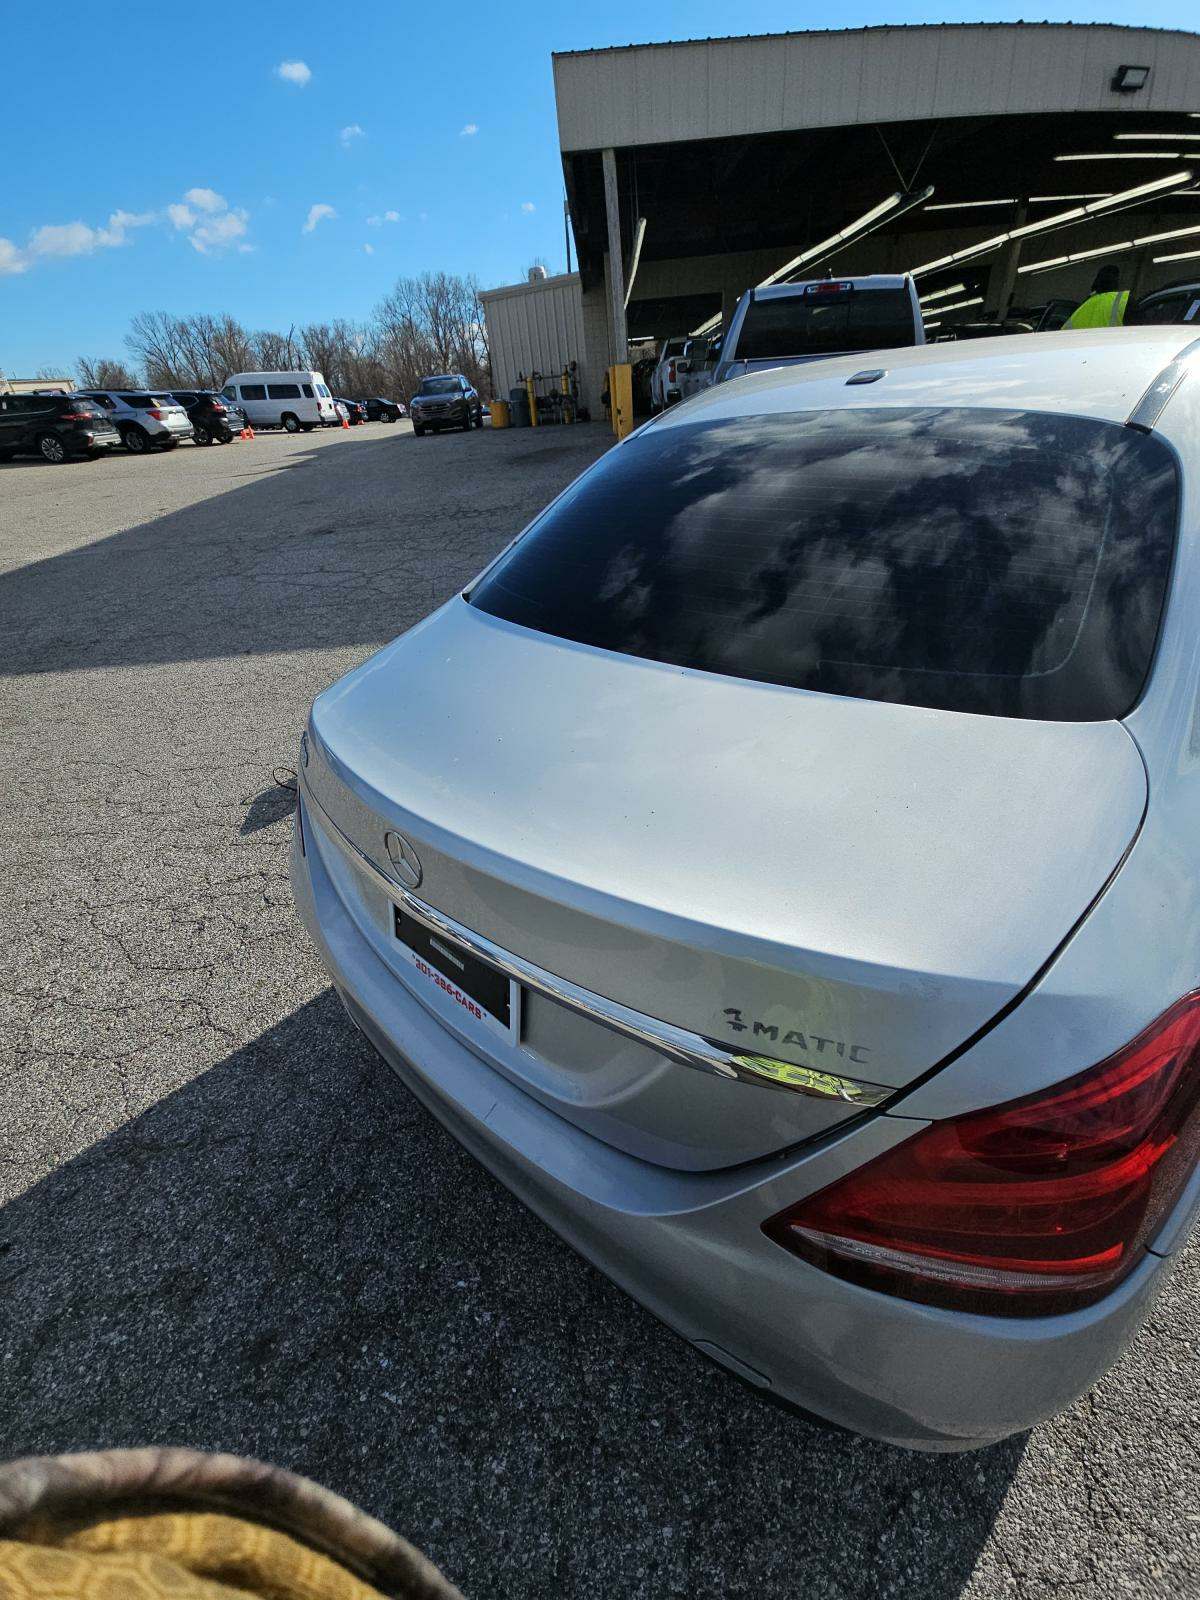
283 391
254 391
440 386
818 324
1011 563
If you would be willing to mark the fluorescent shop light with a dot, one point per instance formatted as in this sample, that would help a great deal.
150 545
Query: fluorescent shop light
1080 255
894 206
1122 155
1161 137
1055 199
958 305
1094 208
1173 233
968 205
1178 255
939 294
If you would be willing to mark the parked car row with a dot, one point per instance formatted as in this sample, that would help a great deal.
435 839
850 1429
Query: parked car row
788 323
61 426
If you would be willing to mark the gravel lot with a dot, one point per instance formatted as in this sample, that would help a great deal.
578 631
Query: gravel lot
225 1224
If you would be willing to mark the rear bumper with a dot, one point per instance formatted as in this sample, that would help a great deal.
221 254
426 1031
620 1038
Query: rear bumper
689 1246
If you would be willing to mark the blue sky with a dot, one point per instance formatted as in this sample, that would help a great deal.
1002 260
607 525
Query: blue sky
175 165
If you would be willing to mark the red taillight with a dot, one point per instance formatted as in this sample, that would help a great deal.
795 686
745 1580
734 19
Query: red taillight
156 414
1026 1209
670 372
77 416
218 410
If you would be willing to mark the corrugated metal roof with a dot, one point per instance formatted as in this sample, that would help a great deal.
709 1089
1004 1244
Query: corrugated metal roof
876 27
774 83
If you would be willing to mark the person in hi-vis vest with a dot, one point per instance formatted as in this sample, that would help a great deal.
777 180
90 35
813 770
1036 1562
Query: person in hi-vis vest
1105 306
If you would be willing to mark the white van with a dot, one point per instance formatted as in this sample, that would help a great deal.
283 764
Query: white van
292 400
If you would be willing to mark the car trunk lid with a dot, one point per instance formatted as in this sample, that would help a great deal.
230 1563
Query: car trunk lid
850 886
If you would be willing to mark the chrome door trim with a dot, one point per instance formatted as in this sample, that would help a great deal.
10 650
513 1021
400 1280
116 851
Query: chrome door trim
678 1044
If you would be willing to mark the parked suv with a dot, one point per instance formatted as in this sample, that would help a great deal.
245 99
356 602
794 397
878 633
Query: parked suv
214 420
57 427
381 410
446 401
143 420
788 323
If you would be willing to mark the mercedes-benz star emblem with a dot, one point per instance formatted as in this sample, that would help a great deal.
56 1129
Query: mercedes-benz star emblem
404 859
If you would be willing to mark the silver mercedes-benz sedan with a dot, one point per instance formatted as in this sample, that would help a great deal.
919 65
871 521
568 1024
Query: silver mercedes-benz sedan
781 868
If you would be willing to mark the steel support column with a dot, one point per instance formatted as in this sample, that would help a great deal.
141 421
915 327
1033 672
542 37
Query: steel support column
618 338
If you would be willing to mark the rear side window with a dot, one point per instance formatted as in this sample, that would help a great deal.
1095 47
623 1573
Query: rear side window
283 391
142 402
1003 562
253 391
307 387
825 321
323 391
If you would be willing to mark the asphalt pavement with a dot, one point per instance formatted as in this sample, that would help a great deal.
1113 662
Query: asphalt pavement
223 1222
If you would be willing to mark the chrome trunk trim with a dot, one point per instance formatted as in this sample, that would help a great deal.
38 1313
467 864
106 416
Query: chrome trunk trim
678 1044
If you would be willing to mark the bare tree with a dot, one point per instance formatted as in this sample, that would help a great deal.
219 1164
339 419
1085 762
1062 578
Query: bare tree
99 373
433 323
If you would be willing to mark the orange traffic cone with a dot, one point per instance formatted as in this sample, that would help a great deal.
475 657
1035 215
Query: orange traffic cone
249 433
345 422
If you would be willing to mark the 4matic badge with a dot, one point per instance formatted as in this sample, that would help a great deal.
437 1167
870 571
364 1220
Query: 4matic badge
813 1042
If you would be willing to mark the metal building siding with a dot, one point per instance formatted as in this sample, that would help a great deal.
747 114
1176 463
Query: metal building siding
533 327
656 94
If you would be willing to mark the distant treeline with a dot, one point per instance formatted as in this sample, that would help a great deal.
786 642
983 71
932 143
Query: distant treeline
433 323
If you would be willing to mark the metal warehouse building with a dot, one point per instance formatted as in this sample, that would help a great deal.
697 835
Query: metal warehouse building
1000 162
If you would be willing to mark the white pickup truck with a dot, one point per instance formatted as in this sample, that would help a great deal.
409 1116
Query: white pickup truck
788 323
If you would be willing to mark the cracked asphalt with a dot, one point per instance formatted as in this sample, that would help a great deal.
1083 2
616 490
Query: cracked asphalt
223 1222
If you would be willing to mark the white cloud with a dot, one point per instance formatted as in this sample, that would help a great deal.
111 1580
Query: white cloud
317 214
64 239
297 72
206 200
379 219
469 131
217 233
210 223
369 248
528 206
12 260
218 228
349 134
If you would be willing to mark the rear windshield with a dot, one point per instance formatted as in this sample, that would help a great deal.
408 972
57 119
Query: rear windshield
439 386
1003 562
824 322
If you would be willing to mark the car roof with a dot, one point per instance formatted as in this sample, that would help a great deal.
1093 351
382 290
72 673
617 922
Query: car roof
1100 372
870 280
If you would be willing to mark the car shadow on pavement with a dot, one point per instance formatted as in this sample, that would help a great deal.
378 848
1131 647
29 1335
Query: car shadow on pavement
350 552
290 1259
